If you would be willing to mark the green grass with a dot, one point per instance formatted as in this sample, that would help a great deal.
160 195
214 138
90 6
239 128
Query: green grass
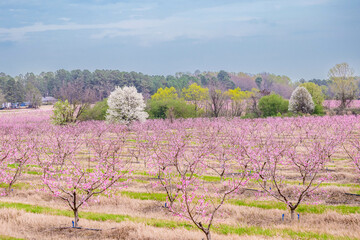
352 185
141 181
315 209
211 178
34 173
272 232
330 165
2 237
304 208
161 223
339 159
18 185
356 192
141 173
145 196
205 178
15 165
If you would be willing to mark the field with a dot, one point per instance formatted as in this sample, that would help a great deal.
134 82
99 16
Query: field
171 180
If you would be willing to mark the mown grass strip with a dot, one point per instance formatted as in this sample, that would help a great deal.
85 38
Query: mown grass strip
144 195
34 172
160 223
18 185
141 181
272 232
3 237
304 208
141 173
315 209
350 185
208 178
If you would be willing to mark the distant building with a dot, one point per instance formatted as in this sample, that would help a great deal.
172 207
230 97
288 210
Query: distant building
48 100
25 104
9 105
6 105
14 105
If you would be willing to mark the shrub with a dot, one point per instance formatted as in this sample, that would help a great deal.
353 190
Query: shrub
273 104
250 115
289 114
171 109
126 105
315 92
319 110
97 112
63 113
301 101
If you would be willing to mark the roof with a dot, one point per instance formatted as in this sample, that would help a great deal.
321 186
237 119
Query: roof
48 99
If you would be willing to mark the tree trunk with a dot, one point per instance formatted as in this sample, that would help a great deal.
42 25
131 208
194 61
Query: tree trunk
292 211
8 191
76 218
208 235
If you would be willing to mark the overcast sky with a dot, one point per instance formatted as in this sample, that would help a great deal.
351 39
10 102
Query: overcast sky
301 39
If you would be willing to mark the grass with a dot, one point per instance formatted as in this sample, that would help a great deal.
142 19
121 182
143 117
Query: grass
211 178
15 165
351 185
144 195
205 178
141 181
208 178
160 223
141 173
18 185
272 232
339 159
314 209
356 192
304 208
34 173
2 237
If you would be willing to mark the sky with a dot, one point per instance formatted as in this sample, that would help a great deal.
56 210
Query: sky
300 39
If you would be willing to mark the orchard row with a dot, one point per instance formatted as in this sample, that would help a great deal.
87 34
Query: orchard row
77 162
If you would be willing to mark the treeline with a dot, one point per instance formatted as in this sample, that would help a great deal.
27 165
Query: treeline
91 87
102 82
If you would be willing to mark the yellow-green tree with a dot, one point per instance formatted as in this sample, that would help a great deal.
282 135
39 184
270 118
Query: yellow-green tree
165 94
196 94
343 84
315 92
237 97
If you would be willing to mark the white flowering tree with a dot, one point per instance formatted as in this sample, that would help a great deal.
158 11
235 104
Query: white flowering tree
126 105
301 101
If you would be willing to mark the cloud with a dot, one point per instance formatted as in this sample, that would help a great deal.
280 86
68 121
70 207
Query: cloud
165 29
313 2
143 8
236 19
65 19
17 34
